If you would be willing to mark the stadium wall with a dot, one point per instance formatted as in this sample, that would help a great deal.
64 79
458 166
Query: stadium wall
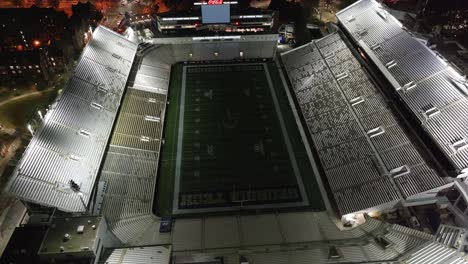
220 48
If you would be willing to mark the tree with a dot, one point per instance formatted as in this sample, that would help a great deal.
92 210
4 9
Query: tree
38 3
18 3
156 8
54 3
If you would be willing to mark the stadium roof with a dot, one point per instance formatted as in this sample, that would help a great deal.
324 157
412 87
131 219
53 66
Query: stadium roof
71 143
430 88
367 157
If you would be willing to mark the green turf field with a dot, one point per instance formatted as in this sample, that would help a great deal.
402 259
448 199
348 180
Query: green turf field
231 142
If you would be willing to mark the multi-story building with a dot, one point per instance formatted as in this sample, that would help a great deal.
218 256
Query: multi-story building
20 67
31 28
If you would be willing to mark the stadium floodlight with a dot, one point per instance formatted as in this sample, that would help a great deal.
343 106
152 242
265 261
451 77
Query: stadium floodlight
454 72
241 53
463 173
216 54
30 129
349 219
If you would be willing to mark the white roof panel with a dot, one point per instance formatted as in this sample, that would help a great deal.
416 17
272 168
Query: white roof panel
431 89
72 140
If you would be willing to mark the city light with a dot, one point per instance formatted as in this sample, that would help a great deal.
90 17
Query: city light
36 43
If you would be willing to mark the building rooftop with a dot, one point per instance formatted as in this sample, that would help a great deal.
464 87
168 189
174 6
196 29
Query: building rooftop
69 235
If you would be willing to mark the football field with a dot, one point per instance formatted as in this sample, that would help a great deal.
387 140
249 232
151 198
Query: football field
233 149
231 143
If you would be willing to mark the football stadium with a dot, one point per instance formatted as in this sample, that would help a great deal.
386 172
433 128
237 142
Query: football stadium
213 146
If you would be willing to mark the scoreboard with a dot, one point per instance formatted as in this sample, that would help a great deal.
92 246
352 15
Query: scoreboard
216 12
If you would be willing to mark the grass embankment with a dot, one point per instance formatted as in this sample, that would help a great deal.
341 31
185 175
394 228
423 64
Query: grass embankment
16 112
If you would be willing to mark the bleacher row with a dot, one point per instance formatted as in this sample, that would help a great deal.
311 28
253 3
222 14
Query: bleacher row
430 88
73 138
435 253
151 254
367 158
451 236
131 163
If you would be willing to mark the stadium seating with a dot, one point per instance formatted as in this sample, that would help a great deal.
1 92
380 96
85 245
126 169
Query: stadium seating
367 157
433 91
151 254
130 166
